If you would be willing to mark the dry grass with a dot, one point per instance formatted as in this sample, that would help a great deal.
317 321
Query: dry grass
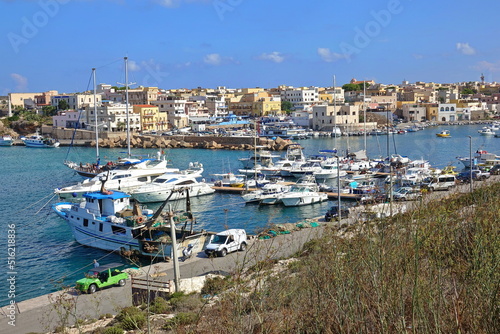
434 270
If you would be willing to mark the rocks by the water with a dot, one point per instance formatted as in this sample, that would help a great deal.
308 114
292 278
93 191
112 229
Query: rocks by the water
211 143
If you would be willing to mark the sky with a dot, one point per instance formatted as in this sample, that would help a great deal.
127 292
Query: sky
54 44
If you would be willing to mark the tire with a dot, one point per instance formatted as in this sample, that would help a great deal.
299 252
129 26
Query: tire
243 246
92 288
223 252
121 282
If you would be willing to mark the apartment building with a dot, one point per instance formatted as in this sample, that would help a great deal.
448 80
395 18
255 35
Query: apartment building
150 117
301 98
76 101
326 117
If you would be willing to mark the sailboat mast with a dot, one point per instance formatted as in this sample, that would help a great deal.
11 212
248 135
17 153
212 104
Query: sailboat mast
364 112
334 115
126 106
95 117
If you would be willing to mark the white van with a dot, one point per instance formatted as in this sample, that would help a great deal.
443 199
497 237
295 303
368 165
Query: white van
226 242
441 182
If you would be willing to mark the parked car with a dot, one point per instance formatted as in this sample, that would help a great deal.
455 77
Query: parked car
226 242
407 194
333 213
101 277
477 175
495 170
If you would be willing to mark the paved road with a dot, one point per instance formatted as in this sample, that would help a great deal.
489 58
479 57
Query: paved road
42 313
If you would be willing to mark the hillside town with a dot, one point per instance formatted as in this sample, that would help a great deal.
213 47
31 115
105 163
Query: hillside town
155 110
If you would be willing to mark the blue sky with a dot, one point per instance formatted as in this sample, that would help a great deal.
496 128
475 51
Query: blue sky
54 44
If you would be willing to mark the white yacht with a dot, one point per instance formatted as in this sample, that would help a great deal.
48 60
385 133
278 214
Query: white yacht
266 194
165 185
122 180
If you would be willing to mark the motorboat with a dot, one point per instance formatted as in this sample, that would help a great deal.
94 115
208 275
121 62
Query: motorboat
266 194
294 157
161 188
444 134
487 131
40 141
299 195
105 220
122 180
6 140
329 171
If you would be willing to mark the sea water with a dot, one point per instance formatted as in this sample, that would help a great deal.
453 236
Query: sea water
47 258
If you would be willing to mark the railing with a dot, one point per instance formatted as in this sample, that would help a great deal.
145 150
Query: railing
141 287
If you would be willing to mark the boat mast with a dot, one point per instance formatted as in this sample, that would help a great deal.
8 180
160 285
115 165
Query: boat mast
364 113
126 106
95 116
334 116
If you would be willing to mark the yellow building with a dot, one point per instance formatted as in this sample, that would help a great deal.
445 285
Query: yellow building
432 111
150 117
255 104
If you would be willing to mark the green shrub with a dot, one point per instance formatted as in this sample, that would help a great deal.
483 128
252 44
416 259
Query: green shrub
159 306
186 302
131 318
215 285
181 319
112 330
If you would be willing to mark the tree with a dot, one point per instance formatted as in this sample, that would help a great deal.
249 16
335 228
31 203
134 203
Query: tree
286 105
351 87
62 105
49 110
468 91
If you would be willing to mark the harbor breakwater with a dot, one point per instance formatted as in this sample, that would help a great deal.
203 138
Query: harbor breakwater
119 140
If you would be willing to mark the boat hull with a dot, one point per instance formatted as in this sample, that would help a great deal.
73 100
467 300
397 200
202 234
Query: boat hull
161 195
303 200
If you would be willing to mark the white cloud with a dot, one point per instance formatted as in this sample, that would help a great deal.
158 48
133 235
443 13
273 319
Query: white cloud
487 66
330 56
212 59
466 49
418 56
21 82
275 56
133 66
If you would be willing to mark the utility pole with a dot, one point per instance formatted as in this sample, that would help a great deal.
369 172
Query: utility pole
175 257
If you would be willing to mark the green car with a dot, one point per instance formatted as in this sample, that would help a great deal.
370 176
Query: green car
101 277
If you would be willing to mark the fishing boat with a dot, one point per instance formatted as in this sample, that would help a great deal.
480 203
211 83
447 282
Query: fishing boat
155 239
40 141
443 133
481 157
105 220
6 140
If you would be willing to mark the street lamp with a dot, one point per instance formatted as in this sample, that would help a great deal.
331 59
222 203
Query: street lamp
338 189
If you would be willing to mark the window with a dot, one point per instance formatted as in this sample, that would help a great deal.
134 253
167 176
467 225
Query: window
100 227
85 222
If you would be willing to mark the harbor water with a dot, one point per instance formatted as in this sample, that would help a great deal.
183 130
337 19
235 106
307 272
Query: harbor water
47 258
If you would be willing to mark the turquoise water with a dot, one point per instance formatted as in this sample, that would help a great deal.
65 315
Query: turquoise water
47 257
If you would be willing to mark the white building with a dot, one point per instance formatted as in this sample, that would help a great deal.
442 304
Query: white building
175 110
113 117
447 112
301 98
70 119
76 101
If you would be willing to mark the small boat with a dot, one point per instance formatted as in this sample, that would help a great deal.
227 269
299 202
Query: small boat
486 132
6 140
304 192
444 133
266 194
40 141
